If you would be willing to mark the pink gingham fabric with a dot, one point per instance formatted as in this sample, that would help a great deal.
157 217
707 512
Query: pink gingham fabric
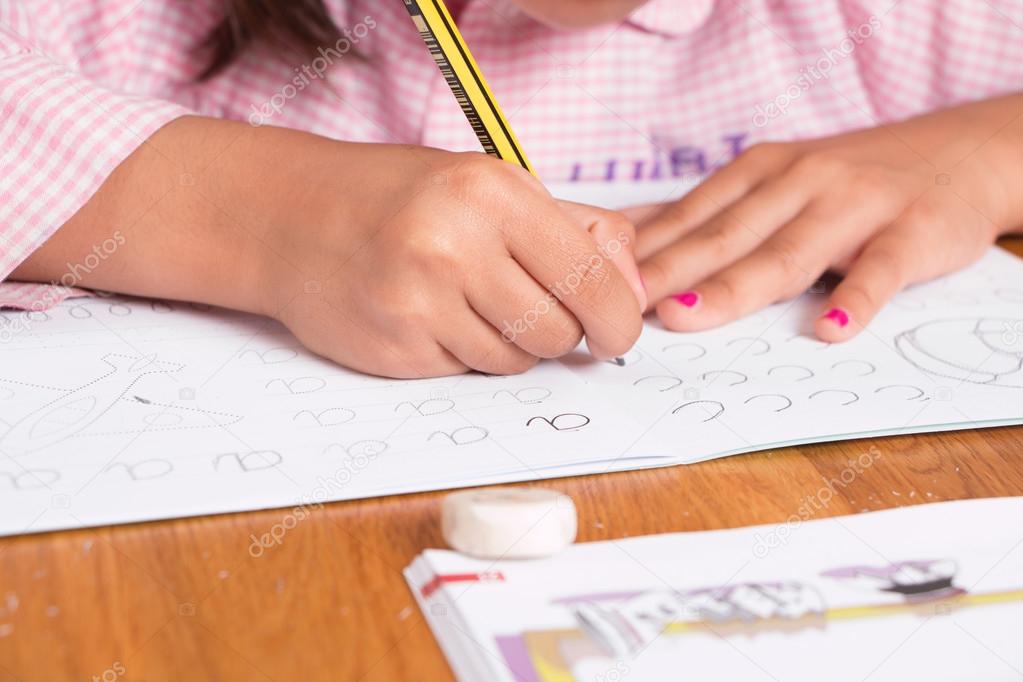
679 88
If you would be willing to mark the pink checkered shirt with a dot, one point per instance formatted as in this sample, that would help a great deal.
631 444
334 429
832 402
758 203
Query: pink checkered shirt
678 89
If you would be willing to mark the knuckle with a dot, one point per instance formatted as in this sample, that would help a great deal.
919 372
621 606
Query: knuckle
762 152
873 183
721 237
730 292
477 176
922 216
888 264
818 165
622 229
435 250
727 291
596 286
788 257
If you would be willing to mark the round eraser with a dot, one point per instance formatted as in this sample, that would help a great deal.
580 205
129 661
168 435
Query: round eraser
508 523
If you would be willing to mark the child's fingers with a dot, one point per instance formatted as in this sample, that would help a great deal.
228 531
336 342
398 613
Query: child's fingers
885 266
523 312
615 236
644 213
714 195
781 267
556 252
728 237
479 346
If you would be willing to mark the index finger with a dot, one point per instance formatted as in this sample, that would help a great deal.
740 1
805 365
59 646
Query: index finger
563 257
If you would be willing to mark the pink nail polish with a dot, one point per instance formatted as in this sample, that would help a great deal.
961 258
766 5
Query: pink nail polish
689 299
838 316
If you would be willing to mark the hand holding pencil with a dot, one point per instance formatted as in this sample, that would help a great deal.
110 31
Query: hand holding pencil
455 61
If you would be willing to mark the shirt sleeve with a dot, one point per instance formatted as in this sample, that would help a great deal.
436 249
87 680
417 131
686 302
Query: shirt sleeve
61 135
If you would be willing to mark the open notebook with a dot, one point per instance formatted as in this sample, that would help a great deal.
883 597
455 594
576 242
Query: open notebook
931 592
115 410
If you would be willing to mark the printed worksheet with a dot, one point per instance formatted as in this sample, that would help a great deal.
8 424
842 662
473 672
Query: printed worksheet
119 410
931 592
115 409
943 355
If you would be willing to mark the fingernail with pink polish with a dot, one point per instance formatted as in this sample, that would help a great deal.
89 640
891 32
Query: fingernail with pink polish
689 298
838 316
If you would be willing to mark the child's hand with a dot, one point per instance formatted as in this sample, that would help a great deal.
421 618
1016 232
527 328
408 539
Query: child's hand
395 260
886 206
412 262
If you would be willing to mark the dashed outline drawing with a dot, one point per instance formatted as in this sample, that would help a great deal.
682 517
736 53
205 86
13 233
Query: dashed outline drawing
702 350
213 419
718 372
674 381
920 392
788 400
270 356
443 405
299 385
323 417
766 347
871 367
14 478
481 435
810 374
132 469
553 421
517 394
720 411
986 339
854 394
69 414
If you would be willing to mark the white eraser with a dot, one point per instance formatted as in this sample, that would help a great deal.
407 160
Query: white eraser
508 523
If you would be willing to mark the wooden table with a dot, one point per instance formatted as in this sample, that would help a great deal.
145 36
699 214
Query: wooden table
184 600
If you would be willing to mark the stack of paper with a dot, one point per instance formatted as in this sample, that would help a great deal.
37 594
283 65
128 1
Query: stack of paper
933 592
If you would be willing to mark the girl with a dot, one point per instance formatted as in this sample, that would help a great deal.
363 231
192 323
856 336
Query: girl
303 159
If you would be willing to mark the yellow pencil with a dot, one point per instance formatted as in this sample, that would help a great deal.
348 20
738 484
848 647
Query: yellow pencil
463 76
456 63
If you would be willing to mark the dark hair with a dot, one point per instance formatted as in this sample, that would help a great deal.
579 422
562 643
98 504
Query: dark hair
299 25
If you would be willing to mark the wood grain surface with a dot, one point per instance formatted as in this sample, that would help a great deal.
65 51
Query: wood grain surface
185 600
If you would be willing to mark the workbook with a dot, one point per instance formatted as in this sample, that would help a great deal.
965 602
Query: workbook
931 592
117 409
